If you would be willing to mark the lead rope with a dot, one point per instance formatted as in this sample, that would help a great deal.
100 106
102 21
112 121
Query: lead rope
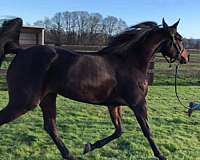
175 83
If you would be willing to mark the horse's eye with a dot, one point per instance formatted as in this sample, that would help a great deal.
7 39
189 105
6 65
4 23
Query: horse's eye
179 37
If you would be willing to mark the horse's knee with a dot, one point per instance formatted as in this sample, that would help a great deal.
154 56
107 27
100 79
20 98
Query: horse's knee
148 134
47 128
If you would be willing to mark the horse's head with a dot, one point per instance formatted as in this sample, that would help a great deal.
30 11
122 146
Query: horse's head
9 35
173 46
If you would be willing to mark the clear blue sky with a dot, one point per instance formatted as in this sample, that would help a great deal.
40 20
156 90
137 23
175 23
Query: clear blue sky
132 11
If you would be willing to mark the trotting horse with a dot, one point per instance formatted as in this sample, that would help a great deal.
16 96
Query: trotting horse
113 77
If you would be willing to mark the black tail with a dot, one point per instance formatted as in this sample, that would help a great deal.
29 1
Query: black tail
9 37
1 59
9 50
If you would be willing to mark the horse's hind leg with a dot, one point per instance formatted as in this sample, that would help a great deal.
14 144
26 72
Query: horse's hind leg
48 106
115 114
9 113
15 108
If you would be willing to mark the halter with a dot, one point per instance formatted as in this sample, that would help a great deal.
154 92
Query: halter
178 54
178 49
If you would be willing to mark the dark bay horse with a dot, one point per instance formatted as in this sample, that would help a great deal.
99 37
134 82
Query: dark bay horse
113 77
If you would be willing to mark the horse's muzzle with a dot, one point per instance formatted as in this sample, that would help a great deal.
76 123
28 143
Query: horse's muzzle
184 58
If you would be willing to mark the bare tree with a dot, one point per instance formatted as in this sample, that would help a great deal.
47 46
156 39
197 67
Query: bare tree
110 25
82 20
57 28
47 23
39 23
67 18
121 25
94 27
80 27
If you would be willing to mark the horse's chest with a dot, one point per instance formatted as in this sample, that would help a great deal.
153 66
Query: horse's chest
143 86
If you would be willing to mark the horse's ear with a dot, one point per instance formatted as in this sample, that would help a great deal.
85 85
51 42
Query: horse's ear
176 24
165 25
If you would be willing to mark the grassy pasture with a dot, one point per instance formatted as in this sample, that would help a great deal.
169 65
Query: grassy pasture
188 74
177 135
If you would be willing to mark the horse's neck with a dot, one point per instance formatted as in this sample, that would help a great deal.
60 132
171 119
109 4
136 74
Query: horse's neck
146 51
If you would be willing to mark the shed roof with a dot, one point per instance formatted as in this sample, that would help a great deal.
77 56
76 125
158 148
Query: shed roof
32 29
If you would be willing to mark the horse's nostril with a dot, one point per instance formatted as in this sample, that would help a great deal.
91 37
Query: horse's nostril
183 61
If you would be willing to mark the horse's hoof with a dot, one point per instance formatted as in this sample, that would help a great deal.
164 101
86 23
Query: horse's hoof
190 112
69 157
162 158
87 148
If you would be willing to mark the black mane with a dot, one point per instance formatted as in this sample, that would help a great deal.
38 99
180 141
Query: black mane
130 36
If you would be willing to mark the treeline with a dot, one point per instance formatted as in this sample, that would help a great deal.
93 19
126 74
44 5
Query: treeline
83 28
80 28
192 43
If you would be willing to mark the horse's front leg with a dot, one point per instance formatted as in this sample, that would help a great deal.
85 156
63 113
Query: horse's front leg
140 112
115 114
134 94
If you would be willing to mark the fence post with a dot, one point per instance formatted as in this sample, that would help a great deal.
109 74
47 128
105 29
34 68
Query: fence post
151 71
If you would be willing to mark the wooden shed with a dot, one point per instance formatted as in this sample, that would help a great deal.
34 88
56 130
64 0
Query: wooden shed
31 36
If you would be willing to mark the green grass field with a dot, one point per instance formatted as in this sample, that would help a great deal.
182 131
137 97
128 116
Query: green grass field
177 135
188 74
